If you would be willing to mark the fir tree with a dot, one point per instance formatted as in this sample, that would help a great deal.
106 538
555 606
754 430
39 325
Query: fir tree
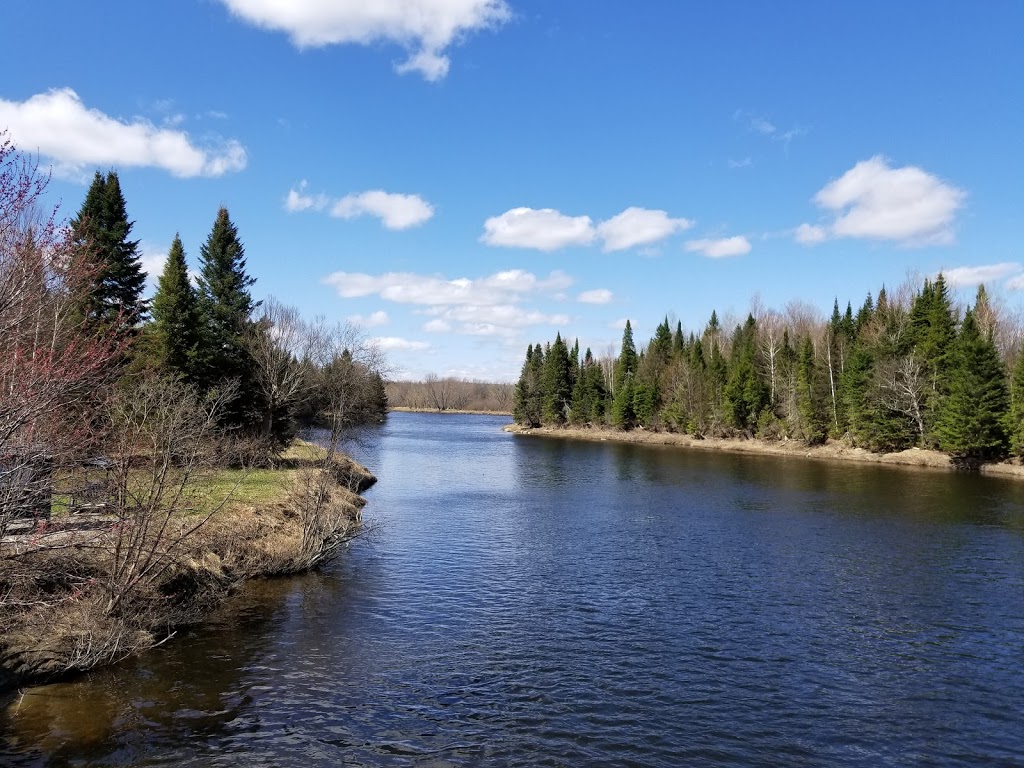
176 327
103 229
625 369
227 307
557 388
973 416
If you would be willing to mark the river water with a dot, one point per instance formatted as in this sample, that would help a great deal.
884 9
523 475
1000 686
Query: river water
524 601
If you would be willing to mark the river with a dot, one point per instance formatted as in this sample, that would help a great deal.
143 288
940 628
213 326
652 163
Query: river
526 601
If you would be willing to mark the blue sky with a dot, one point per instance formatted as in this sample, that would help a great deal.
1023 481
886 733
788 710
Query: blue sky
464 177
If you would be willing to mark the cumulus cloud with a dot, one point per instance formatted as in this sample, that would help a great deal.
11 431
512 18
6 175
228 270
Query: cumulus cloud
425 28
59 126
545 229
597 296
494 320
395 211
875 201
485 306
985 273
638 226
411 288
370 321
396 343
720 248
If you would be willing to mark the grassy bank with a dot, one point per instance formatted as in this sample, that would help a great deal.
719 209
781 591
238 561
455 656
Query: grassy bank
830 451
75 594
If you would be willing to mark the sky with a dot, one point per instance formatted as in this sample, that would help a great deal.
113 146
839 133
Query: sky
465 177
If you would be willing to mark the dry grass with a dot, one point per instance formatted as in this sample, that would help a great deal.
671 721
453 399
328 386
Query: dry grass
52 614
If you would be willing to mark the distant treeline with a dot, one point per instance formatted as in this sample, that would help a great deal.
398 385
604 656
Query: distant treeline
900 371
450 394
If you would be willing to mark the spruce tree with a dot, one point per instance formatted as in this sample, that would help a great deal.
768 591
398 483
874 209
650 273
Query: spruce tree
973 415
227 307
1015 420
625 369
102 228
176 327
557 387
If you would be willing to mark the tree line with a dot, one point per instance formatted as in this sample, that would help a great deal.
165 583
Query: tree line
450 393
901 371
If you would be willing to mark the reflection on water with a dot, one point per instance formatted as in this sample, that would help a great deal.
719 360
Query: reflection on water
543 602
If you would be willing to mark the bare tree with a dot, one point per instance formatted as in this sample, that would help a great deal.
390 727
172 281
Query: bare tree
903 383
277 342
771 329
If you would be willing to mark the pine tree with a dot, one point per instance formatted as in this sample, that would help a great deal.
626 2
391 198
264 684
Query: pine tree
588 395
973 416
102 228
176 327
811 399
227 307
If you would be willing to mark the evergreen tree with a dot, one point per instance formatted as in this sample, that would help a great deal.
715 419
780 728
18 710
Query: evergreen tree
227 307
745 391
557 388
973 416
103 229
625 369
176 329
811 396
1015 421
588 395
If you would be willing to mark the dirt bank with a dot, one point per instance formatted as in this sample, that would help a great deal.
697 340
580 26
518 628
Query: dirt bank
57 585
831 451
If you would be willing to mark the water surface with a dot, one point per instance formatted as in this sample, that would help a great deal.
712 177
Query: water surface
524 601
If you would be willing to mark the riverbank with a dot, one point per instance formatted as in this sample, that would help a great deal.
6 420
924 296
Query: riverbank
79 594
833 450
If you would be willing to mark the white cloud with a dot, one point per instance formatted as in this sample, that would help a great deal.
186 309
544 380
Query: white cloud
638 226
598 296
370 321
485 306
297 200
1015 283
545 229
746 162
430 290
875 201
394 210
425 28
619 325
494 320
396 343
762 125
153 259
810 234
720 248
60 127
986 273
437 326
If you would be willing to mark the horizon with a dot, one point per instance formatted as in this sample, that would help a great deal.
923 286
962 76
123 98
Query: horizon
502 171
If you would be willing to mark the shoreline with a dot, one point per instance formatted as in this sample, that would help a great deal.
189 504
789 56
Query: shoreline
281 536
834 451
454 411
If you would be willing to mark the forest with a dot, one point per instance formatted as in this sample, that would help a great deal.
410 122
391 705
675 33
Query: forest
904 370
